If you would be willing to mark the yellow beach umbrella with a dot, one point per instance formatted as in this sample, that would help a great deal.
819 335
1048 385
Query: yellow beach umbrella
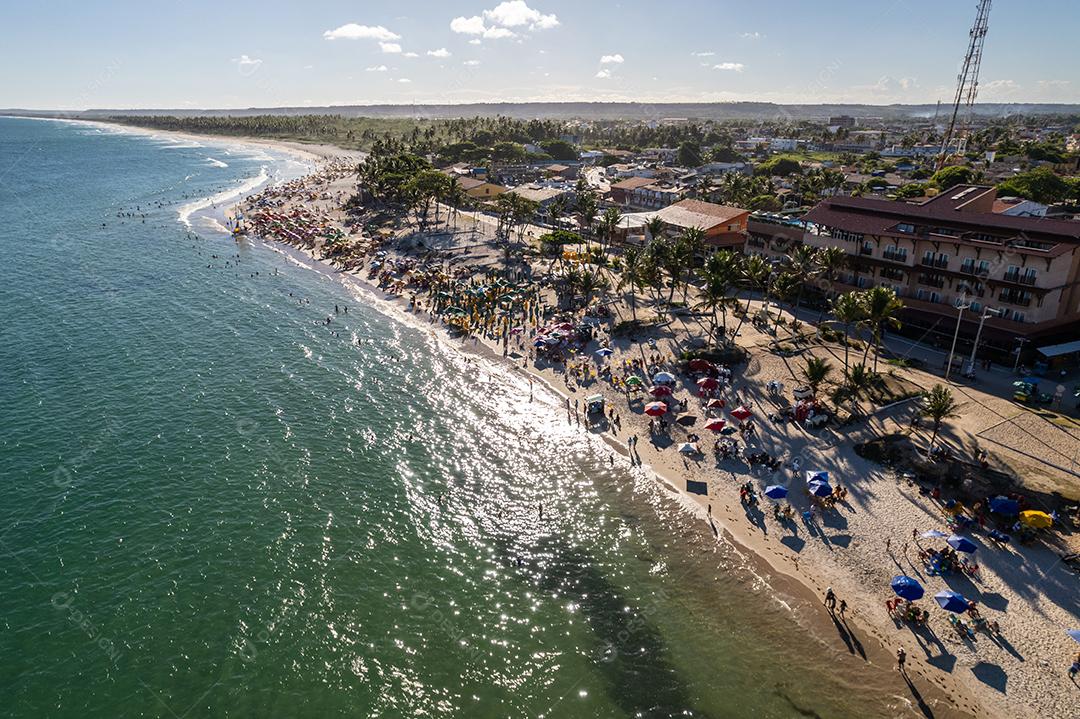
1038 520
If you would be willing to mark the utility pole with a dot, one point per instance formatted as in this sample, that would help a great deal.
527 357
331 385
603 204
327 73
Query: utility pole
961 305
987 313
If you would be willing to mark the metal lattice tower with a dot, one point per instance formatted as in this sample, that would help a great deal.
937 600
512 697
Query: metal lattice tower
967 86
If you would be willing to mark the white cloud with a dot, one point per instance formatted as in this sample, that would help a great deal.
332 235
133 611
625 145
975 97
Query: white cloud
410 54
703 54
468 25
247 63
391 48
516 13
376 68
404 80
474 41
615 59
604 74
496 22
441 52
471 63
736 66
752 36
908 83
1053 83
352 31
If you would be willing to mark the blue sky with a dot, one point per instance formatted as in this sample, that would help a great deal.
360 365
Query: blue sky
197 53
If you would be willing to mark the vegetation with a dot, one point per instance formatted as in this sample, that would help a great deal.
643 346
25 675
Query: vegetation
938 405
1041 185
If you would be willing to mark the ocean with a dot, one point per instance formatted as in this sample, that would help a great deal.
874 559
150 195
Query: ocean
218 505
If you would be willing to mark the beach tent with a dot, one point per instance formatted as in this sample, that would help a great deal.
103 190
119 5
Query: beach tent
816 476
775 491
660 390
1035 519
906 588
820 489
962 544
951 602
934 534
605 351
742 413
687 448
715 404
655 409
1074 633
1004 505
663 378
716 425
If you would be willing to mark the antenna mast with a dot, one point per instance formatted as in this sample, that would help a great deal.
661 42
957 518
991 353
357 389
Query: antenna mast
967 86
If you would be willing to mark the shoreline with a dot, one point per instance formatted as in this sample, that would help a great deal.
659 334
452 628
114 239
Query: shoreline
950 695
766 564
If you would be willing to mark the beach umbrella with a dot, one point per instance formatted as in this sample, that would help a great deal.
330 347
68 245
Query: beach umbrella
633 380
816 476
934 534
998 536
820 489
605 351
655 409
1074 633
661 390
906 587
663 378
715 403
961 544
741 413
687 448
700 365
1004 505
716 425
951 602
1035 519
775 491
707 383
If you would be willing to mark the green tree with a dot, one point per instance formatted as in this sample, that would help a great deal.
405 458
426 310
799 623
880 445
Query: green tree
779 166
880 307
952 176
817 370
849 311
938 405
689 154
1041 185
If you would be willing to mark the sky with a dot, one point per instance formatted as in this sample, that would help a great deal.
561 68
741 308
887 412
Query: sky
238 54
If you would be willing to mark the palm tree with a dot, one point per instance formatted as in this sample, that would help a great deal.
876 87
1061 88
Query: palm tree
802 265
880 305
938 405
557 209
817 370
859 379
690 244
631 275
655 227
785 286
755 275
830 260
848 310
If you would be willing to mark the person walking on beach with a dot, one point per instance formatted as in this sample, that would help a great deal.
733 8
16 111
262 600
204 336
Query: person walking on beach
843 606
901 660
830 599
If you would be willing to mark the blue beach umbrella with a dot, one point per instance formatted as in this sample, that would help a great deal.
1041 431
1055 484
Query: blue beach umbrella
820 489
906 587
775 491
951 602
934 534
1004 505
663 378
962 544
816 476
1074 633
605 351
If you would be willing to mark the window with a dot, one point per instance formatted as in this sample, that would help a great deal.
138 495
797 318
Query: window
906 228
976 307
894 253
1018 316
920 294
935 297
1029 276
984 267
1012 274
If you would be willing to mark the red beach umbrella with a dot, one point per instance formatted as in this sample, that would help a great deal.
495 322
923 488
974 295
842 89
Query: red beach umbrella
716 425
708 383
716 403
741 413
660 391
655 409
700 365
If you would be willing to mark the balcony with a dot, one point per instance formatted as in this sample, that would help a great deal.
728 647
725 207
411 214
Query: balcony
971 269
938 262
866 250
1014 299
894 256
932 281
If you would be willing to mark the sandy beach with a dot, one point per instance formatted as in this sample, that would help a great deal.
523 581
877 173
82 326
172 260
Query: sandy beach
855 548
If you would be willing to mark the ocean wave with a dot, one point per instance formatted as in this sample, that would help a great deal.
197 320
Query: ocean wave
215 162
248 185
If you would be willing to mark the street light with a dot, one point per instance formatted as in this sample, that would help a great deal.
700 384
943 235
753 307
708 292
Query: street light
988 312
1019 349
961 305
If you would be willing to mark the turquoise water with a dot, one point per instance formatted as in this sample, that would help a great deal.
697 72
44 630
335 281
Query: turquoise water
215 504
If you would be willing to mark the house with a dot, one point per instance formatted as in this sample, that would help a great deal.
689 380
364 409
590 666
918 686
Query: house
656 195
723 226
622 191
950 249
566 172
542 195
479 189
1019 207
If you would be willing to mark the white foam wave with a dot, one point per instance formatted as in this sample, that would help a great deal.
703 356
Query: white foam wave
232 193
215 162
